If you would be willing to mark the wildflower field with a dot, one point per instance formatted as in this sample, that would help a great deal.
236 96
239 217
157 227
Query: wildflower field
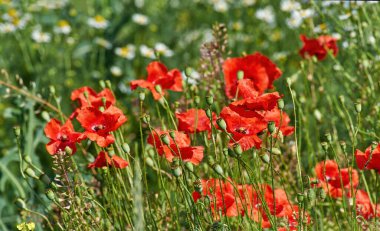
189 115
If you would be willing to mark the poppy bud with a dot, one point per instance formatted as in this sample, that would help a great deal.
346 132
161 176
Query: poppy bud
198 185
50 195
111 151
280 103
45 178
218 169
197 100
151 152
27 159
52 89
237 148
165 139
221 123
126 148
146 118
17 131
321 194
149 161
142 96
271 127
265 158
102 84
20 203
325 146
68 150
188 71
358 107
158 88
108 84
209 113
275 151
189 166
30 172
45 115
328 137
101 109
240 75
306 181
176 169
209 100
311 195
225 151
343 145
172 134
300 197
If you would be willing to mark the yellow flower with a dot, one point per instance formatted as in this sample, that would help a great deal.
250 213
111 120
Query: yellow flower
26 226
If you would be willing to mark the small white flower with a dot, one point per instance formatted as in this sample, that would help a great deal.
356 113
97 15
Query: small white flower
127 51
337 36
98 22
140 19
344 16
295 20
7 28
266 14
193 78
248 2
220 6
40 37
290 5
147 52
63 27
70 40
306 13
163 50
372 40
116 71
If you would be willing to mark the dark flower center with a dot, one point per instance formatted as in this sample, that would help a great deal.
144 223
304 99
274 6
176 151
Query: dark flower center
241 130
98 127
63 138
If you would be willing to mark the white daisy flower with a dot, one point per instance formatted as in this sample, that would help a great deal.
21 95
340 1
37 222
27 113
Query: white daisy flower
140 19
116 71
63 27
266 14
248 2
290 5
41 37
295 20
220 6
98 22
163 50
7 28
127 51
147 52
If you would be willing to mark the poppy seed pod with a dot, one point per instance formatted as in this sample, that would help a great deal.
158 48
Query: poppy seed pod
240 75
172 134
50 195
45 178
311 195
237 148
176 169
321 194
300 197
209 113
275 151
158 88
142 96
149 161
221 123
209 100
280 104
165 139
197 100
358 107
17 131
218 169
189 166
306 181
126 148
31 173
271 127
265 158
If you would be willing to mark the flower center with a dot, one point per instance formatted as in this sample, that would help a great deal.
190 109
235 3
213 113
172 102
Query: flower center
63 138
98 127
241 130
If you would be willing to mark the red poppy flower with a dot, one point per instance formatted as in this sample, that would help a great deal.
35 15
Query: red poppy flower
253 106
243 130
98 125
180 148
366 160
318 46
61 136
222 197
158 74
193 120
275 116
334 182
103 160
256 67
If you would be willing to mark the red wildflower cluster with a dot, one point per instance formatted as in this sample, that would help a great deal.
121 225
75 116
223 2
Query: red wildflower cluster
98 116
318 46
364 207
158 74
370 159
179 147
336 182
249 116
258 202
